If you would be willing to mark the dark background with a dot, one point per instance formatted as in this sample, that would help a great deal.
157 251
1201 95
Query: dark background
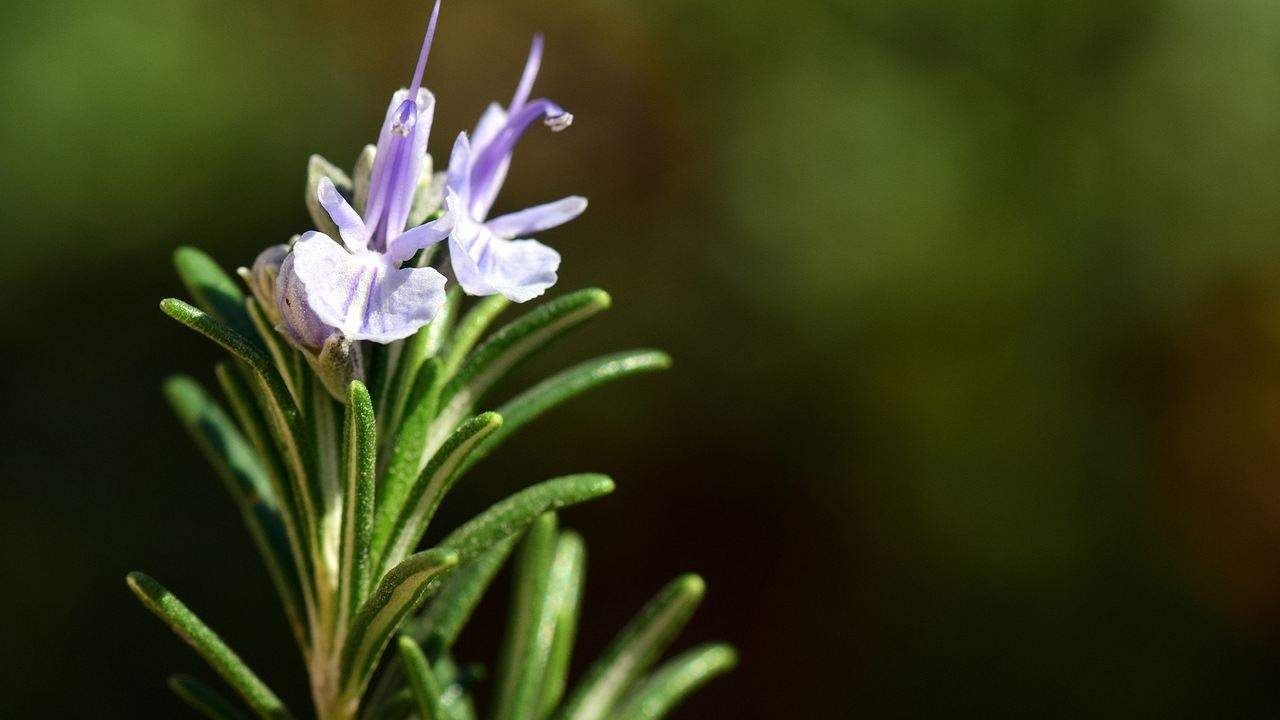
975 310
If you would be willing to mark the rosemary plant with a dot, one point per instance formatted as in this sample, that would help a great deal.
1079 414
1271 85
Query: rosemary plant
354 391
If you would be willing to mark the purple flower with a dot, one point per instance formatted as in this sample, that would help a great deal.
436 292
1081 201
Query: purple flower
486 257
358 287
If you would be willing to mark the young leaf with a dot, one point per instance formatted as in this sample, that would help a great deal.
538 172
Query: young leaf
397 593
360 452
204 699
470 328
634 650
674 680
400 528
563 386
213 290
507 347
512 515
208 645
531 626
249 484
422 682
565 592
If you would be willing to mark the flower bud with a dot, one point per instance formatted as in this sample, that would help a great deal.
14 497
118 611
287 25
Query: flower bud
261 279
298 321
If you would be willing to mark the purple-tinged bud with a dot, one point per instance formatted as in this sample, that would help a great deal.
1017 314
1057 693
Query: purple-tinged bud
261 279
298 321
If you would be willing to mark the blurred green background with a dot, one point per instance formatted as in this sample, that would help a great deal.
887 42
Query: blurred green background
975 310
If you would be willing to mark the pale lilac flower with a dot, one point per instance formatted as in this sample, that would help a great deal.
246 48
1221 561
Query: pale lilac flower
358 287
486 257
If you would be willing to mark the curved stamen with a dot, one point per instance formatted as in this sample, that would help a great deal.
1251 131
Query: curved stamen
416 83
527 77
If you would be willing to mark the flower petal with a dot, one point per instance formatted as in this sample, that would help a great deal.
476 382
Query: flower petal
538 217
364 295
486 264
491 123
350 226
403 246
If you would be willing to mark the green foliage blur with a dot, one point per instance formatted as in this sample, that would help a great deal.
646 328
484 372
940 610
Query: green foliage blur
975 309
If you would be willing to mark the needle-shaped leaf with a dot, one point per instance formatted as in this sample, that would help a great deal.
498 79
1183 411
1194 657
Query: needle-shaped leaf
439 625
655 696
318 169
232 378
470 328
249 484
509 346
208 645
422 681
397 592
204 699
399 529
360 453
564 386
408 453
213 289
634 650
531 626
565 593
512 515
278 406
289 363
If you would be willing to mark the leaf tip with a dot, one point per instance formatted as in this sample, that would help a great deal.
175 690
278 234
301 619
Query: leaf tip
691 586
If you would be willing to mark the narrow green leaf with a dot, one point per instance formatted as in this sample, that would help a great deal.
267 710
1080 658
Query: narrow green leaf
212 328
400 529
214 290
481 546
227 450
235 386
288 362
204 699
408 453
514 513
422 682
509 346
286 429
565 593
360 452
440 327
530 629
397 593
439 625
249 484
208 645
634 650
674 680
415 350
564 386
323 418
470 328
317 169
